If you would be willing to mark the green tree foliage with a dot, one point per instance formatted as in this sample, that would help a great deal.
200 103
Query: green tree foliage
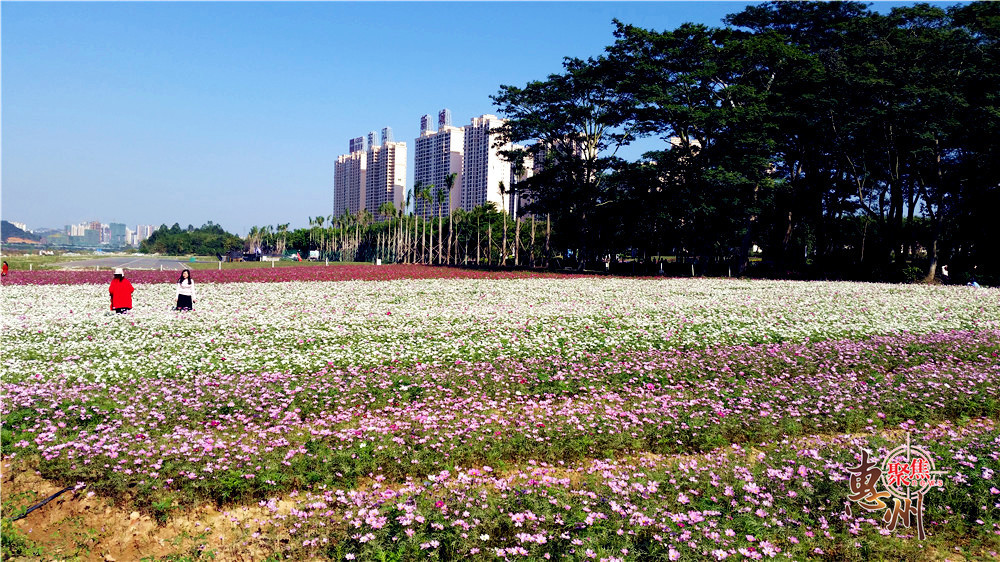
208 240
572 117
839 141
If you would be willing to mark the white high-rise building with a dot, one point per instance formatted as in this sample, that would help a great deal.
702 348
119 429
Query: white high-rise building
385 176
349 179
437 155
483 169
143 231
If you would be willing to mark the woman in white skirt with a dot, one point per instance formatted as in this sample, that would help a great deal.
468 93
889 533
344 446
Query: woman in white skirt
185 291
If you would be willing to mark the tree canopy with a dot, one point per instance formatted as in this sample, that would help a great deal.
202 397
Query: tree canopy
823 138
207 240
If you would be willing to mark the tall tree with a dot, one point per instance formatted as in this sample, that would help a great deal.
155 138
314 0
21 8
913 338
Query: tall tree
572 118
450 182
440 198
425 196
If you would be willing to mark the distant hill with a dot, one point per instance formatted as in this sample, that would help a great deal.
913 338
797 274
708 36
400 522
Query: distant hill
9 232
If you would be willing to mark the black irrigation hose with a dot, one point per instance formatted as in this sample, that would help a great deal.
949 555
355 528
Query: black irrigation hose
43 502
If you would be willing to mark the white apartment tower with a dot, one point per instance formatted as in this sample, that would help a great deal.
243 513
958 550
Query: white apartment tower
349 179
437 155
385 177
483 169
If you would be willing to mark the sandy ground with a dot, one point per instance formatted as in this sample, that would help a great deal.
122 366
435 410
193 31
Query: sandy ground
82 526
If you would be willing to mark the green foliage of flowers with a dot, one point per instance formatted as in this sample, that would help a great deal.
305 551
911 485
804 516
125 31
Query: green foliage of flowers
608 419
781 499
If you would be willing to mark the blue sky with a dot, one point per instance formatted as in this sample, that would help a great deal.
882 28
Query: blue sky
234 112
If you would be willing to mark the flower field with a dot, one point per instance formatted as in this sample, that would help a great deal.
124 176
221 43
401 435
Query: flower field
440 414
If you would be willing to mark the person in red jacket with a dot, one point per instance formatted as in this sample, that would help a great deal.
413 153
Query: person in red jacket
121 293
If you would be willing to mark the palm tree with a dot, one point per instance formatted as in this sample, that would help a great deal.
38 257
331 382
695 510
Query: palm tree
425 195
455 218
253 239
319 223
417 193
503 217
346 220
282 230
440 197
449 180
387 210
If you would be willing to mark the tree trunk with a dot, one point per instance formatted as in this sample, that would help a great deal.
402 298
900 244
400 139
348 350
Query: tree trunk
517 240
531 251
932 268
748 237
548 233
936 216
451 225
503 248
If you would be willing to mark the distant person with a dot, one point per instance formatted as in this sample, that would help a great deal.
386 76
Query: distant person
973 282
4 269
185 291
121 292
945 277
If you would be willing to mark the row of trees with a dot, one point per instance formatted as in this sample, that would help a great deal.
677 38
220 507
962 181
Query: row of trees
484 236
207 240
830 139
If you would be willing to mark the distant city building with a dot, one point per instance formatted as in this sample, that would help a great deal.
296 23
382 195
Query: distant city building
57 239
425 124
370 175
91 237
20 225
143 231
116 234
483 169
385 174
349 179
438 154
